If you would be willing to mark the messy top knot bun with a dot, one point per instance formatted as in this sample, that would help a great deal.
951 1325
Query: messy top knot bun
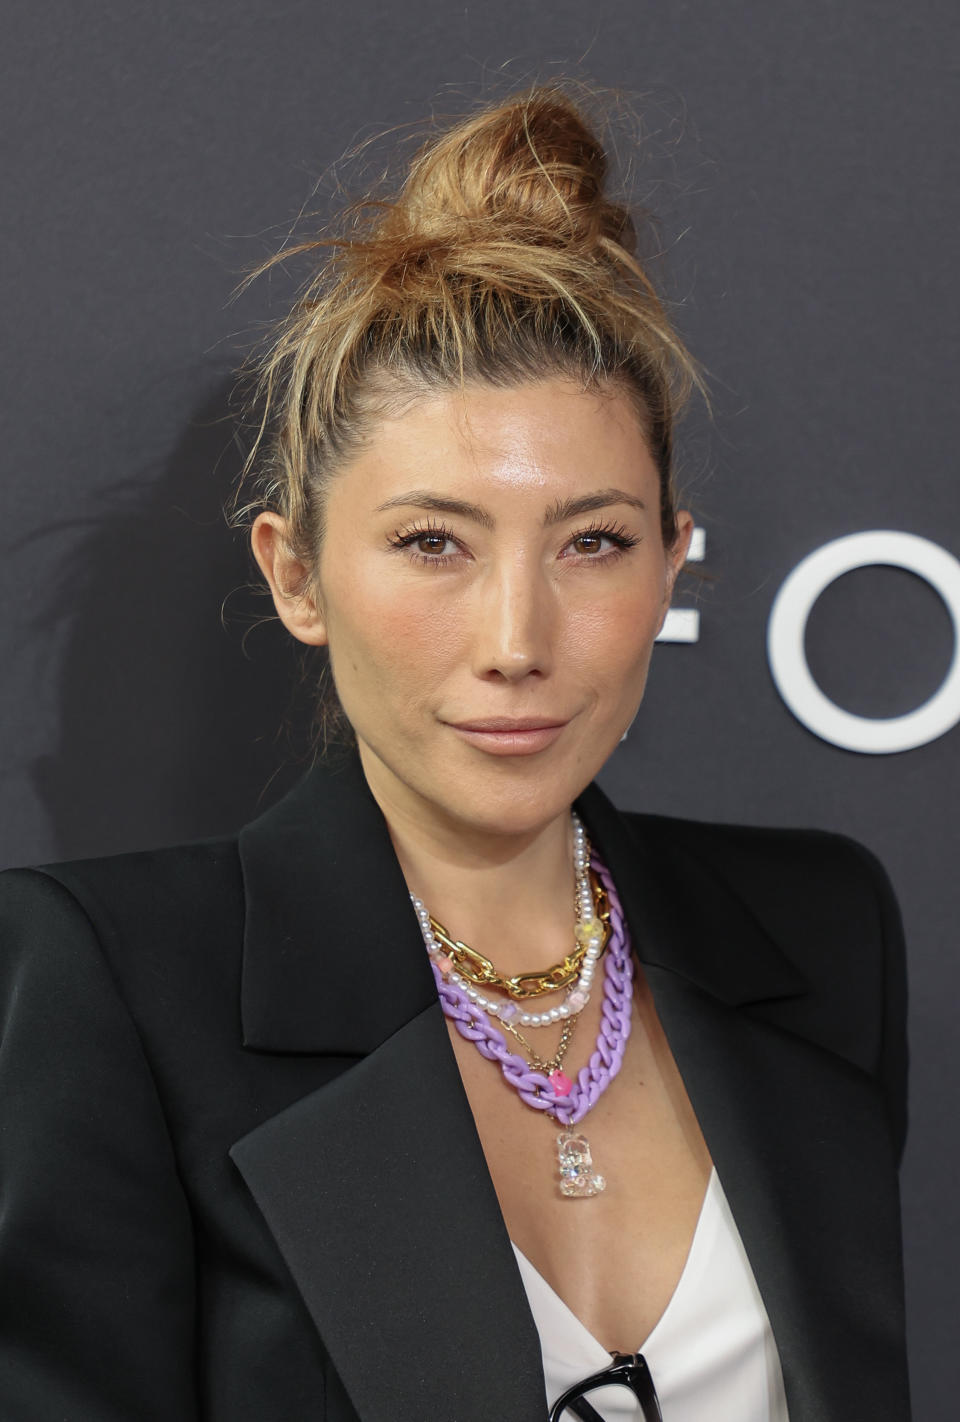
531 163
501 258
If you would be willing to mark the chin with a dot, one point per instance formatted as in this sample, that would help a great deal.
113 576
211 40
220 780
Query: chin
517 797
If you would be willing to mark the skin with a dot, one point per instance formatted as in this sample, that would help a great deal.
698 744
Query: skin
526 607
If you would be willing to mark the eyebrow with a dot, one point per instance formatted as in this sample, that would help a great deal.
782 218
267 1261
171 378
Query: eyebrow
558 512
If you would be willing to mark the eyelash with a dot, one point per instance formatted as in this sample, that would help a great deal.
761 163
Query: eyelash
617 534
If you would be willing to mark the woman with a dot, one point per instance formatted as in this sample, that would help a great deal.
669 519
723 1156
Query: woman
445 1080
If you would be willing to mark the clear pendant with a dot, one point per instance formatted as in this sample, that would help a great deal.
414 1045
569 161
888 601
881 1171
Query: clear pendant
578 1179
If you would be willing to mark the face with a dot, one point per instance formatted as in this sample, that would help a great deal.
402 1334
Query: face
492 579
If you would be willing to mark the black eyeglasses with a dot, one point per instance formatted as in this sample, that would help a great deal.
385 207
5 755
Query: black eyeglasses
627 1370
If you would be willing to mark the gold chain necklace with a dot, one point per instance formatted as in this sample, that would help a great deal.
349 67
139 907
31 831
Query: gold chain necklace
481 972
545 1064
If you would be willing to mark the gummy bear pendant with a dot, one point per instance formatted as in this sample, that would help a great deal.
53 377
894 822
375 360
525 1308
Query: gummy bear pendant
577 1177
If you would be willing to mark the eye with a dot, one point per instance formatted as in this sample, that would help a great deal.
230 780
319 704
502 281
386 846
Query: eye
600 542
430 543
426 544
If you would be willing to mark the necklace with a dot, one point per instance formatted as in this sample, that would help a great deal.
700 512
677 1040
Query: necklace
592 932
566 1101
478 970
548 1065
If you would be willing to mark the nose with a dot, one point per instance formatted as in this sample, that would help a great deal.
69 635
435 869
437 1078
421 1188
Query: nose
515 622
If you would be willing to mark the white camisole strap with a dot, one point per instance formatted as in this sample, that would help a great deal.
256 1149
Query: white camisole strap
712 1355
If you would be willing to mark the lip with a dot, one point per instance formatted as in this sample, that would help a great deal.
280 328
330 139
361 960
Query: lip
505 735
508 723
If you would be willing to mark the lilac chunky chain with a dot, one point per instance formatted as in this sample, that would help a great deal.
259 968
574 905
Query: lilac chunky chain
592 1080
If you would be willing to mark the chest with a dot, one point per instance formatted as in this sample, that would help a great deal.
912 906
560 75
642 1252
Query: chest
614 1258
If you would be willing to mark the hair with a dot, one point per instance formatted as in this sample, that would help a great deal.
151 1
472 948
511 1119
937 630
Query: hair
500 258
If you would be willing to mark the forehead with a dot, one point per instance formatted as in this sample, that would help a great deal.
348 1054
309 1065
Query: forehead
541 439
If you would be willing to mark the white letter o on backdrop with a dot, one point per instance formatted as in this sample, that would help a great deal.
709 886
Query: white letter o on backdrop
788 660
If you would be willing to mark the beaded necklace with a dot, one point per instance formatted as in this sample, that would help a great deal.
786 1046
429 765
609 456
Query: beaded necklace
566 1101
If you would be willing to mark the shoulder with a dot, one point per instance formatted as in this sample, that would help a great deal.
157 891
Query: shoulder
171 882
826 903
752 852
823 898
142 918
168 879
788 878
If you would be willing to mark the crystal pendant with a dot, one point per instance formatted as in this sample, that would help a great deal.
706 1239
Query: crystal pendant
577 1177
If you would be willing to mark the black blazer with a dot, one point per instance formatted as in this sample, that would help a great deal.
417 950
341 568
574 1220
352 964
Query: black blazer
239 1186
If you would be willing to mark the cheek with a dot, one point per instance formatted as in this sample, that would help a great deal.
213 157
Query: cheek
393 636
615 634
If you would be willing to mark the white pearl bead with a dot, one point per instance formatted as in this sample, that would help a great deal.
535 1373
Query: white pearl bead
563 1011
554 1014
525 1019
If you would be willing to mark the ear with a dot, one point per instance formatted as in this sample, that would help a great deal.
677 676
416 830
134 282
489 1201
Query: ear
677 554
676 557
289 580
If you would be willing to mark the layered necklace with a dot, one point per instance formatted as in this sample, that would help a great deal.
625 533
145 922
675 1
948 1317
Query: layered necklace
475 996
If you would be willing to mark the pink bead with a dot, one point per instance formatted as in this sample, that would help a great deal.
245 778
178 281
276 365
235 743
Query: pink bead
444 963
560 1082
576 1000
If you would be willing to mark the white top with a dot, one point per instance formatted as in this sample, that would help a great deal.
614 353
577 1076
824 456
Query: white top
712 1355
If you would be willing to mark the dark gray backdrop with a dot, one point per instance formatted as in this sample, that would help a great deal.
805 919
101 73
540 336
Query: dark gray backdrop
811 206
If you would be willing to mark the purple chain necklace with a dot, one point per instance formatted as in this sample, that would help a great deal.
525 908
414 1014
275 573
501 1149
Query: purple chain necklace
568 1106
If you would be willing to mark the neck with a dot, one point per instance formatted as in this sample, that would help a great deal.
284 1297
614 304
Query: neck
511 897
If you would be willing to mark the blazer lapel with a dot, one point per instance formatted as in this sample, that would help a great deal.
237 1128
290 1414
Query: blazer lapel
333 960
377 1192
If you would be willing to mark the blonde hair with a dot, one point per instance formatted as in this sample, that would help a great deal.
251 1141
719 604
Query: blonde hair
500 258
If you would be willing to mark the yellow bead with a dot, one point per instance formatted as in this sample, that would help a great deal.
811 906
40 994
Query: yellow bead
588 931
